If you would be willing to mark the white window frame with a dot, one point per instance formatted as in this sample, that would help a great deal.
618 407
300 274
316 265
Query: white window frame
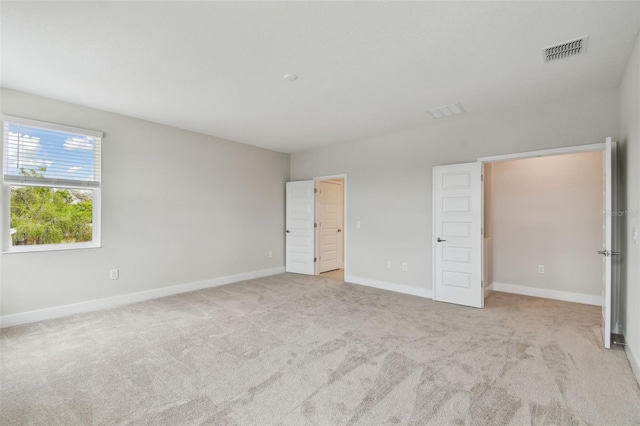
7 246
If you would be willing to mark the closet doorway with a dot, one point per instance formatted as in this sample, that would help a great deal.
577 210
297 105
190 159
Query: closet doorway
550 227
460 265
543 227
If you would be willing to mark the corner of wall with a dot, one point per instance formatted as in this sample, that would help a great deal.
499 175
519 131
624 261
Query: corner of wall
629 135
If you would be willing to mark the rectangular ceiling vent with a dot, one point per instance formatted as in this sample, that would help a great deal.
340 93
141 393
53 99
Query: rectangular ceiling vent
564 50
446 111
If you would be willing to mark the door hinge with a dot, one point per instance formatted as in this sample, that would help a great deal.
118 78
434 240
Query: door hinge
315 259
315 190
481 178
315 225
481 231
481 284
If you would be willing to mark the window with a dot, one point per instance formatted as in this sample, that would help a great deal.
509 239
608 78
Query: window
51 189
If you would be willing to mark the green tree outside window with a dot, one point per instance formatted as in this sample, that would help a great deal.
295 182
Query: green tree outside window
43 215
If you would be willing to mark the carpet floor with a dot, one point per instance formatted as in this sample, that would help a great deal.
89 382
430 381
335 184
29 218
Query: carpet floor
297 350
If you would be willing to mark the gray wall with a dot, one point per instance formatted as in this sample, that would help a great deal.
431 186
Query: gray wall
548 211
177 207
630 138
389 178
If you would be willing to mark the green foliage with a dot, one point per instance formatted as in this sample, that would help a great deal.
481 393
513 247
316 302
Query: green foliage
42 215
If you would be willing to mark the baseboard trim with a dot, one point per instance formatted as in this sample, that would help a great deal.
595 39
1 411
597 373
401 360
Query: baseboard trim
566 296
633 361
125 299
383 285
487 290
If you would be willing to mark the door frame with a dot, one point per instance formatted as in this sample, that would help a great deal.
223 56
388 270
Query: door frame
615 286
542 153
345 231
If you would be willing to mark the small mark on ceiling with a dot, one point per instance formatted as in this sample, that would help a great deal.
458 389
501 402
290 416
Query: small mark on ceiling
446 110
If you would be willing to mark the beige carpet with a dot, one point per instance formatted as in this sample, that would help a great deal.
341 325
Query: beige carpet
336 274
298 350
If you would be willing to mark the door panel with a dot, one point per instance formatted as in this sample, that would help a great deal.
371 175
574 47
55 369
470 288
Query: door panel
300 238
457 246
330 212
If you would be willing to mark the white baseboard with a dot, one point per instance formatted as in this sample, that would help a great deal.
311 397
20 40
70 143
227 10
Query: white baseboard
112 302
398 288
566 296
487 290
633 361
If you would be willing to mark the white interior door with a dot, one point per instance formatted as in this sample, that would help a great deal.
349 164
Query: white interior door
300 238
607 241
457 234
330 212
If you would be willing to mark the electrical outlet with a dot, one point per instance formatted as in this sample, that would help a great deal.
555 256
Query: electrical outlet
405 266
114 274
270 253
388 264
541 269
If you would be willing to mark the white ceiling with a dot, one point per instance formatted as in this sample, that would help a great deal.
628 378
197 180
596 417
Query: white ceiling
364 68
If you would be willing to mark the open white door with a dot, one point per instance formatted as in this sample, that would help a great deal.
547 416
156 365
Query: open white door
607 240
329 218
300 239
457 222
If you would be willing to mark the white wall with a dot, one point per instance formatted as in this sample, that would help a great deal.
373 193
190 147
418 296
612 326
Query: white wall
177 207
630 138
389 177
548 211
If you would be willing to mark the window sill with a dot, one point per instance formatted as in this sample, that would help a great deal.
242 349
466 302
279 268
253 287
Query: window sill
49 247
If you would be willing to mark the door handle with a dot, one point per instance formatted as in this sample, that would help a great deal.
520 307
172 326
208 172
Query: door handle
440 240
615 253
339 230
609 253
605 252
288 231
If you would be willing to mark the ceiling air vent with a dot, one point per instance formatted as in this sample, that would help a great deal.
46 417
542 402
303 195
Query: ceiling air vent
446 111
564 50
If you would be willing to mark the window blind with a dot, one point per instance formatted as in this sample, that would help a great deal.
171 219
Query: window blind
46 154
